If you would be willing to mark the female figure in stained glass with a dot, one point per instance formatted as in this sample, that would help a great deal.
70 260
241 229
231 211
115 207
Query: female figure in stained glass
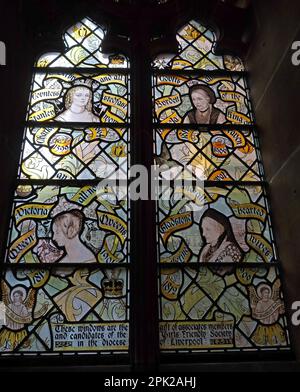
78 104
221 245
19 305
67 228
204 112
266 307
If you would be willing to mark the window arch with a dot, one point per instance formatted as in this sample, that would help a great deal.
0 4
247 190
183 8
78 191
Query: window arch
219 282
218 146
65 278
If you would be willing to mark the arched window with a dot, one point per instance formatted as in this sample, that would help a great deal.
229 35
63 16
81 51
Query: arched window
81 273
65 282
219 285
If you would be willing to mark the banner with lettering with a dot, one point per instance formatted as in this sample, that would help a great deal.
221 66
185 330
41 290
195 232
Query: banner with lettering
112 223
171 80
175 223
22 245
237 118
111 118
85 195
43 135
32 211
182 255
45 94
168 102
115 101
43 114
111 78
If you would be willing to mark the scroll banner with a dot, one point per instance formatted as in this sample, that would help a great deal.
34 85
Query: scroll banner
182 255
104 134
237 118
43 135
111 118
38 278
246 275
260 246
22 245
166 102
211 80
115 101
85 195
175 223
237 138
171 80
45 94
111 78
197 334
247 210
106 256
43 115
112 223
17 318
232 96
65 77
277 306
173 118
188 135
180 64
240 203
32 211
170 287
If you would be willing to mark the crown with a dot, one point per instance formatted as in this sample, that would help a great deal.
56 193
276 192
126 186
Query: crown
112 287
191 33
117 59
84 83
192 83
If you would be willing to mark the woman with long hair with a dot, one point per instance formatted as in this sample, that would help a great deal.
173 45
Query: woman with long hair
78 104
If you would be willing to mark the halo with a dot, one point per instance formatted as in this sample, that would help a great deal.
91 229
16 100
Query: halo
261 287
18 288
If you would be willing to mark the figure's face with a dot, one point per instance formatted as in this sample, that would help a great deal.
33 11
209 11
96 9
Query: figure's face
81 96
200 100
17 298
58 235
212 230
265 294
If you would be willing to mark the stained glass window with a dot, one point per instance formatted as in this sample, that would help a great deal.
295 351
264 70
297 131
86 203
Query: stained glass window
65 280
218 269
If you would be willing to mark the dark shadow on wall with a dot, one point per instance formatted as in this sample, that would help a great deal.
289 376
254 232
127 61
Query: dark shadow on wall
274 86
